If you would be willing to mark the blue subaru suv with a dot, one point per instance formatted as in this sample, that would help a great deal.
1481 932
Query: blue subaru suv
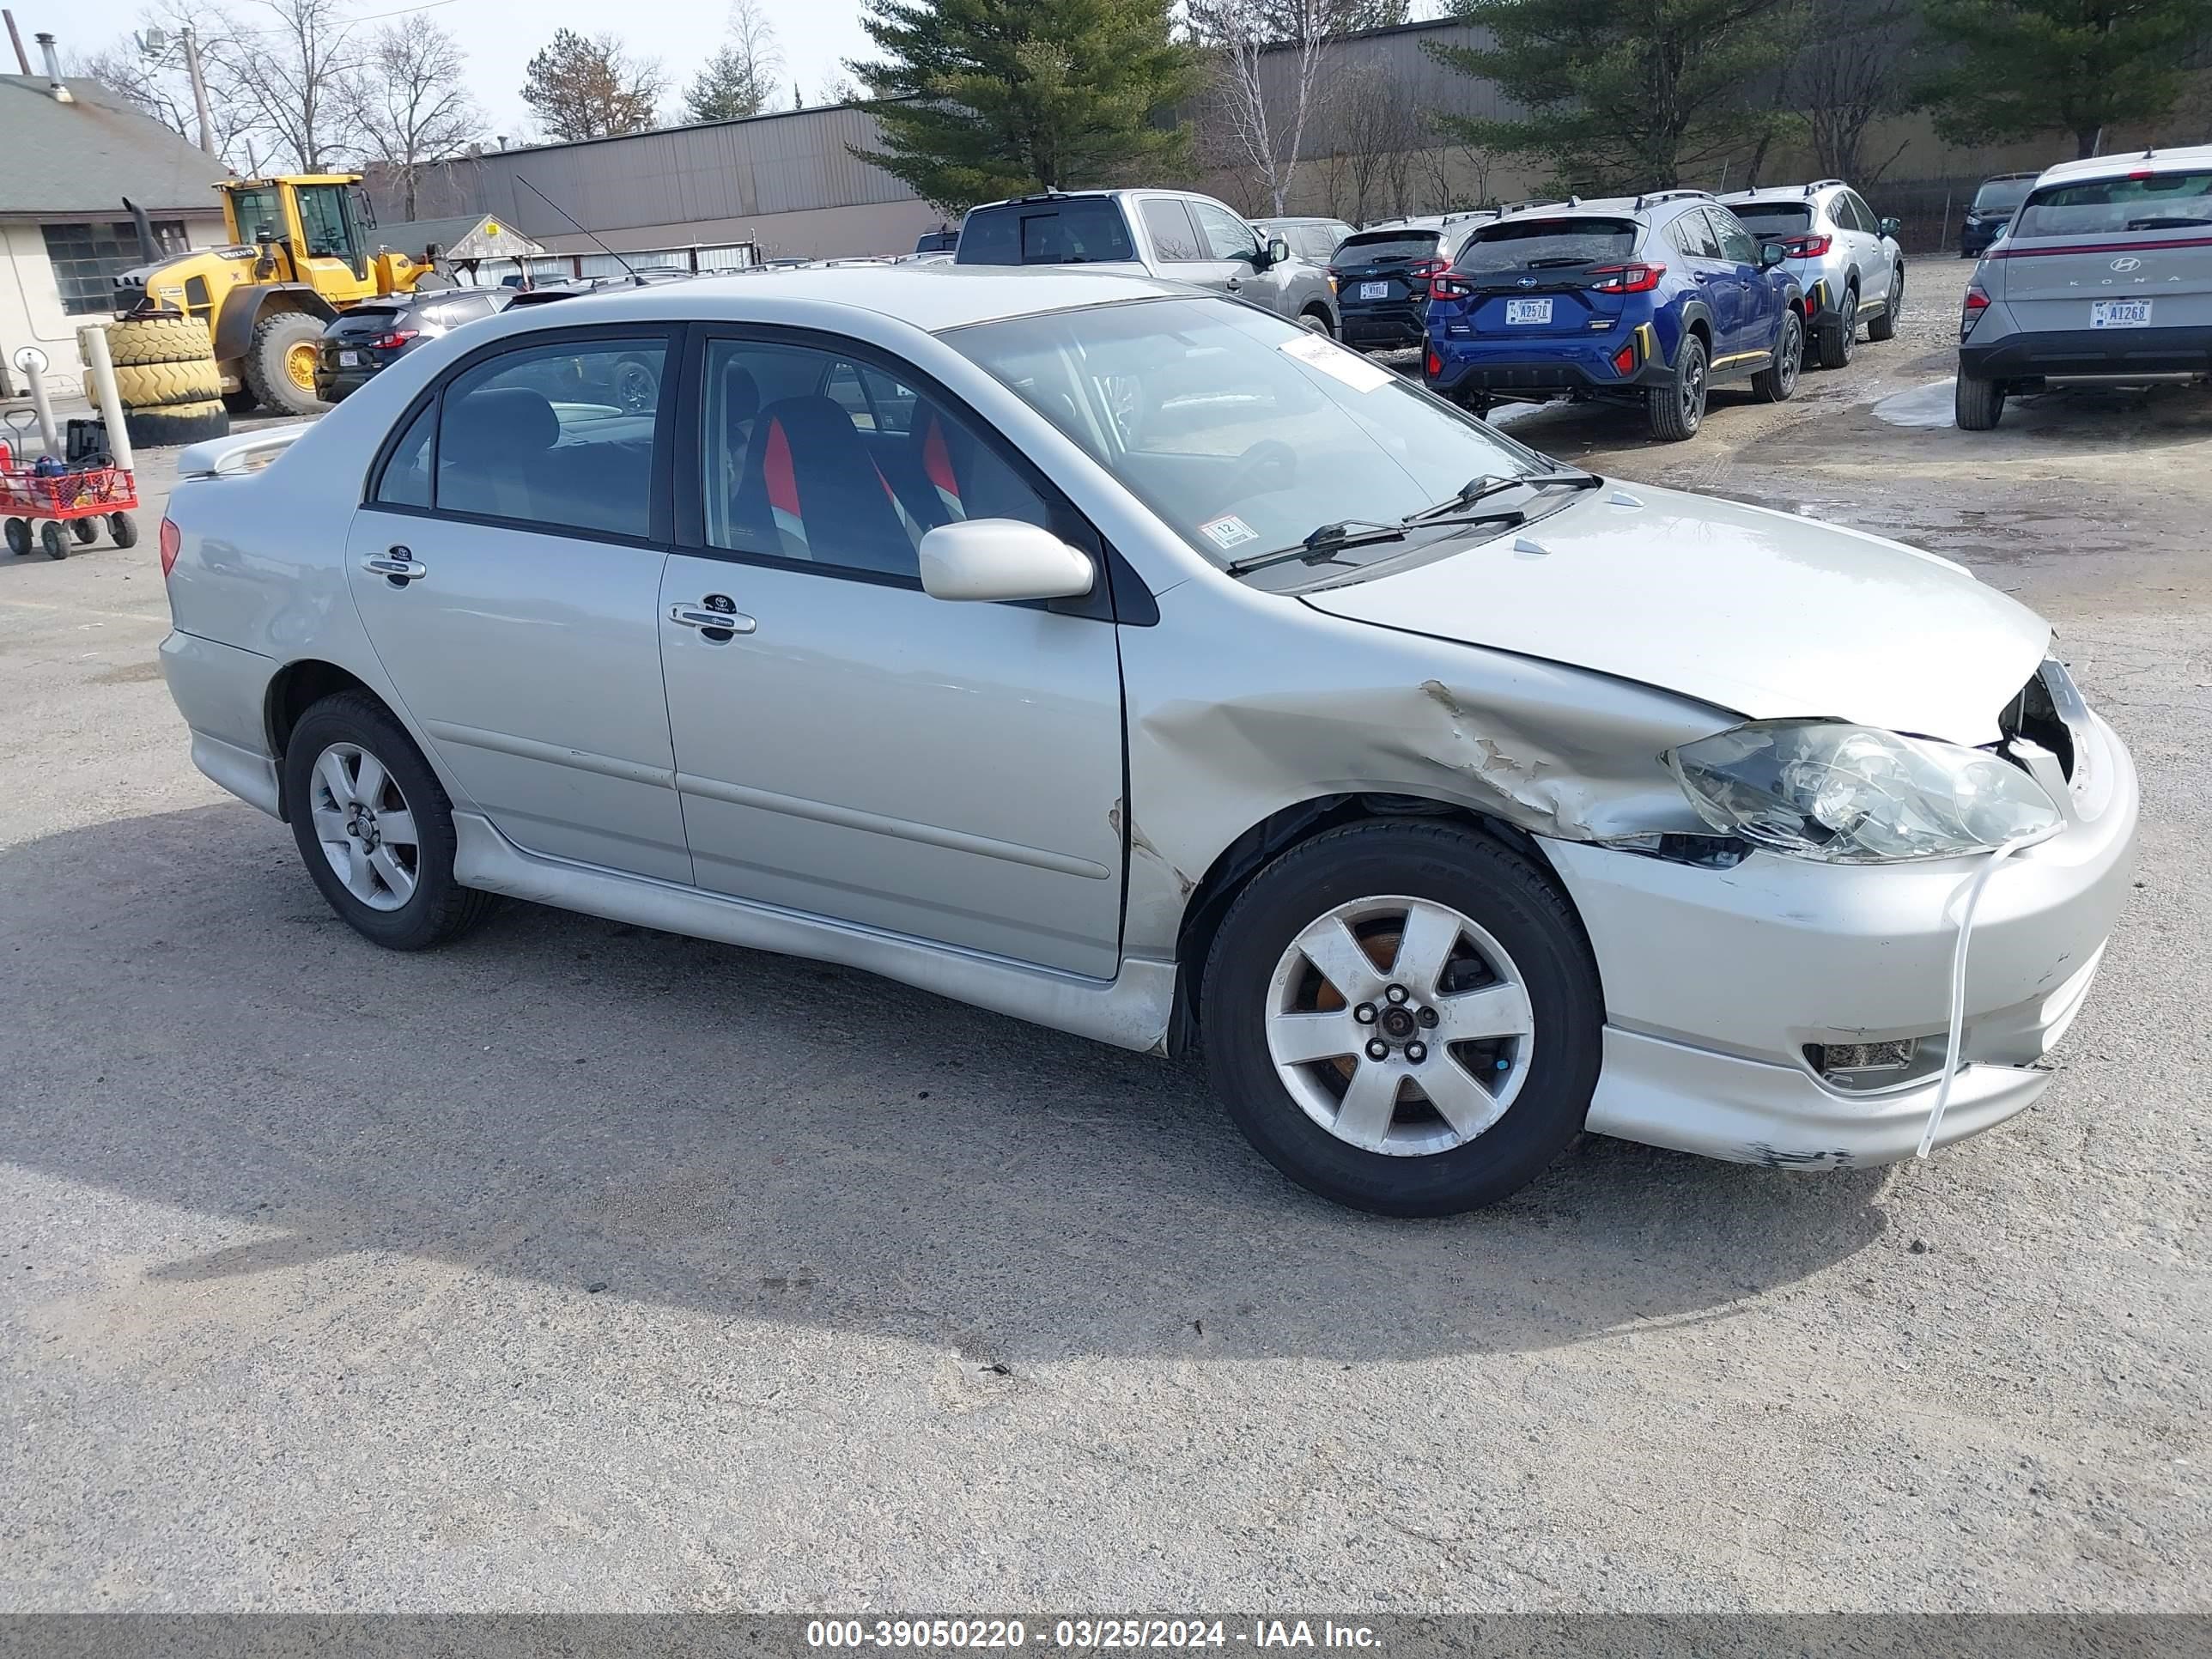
1648 301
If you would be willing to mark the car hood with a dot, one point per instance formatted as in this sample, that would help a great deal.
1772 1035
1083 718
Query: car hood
1760 612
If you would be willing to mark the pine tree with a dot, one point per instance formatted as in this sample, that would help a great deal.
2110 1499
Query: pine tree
1625 94
587 87
2018 68
1012 96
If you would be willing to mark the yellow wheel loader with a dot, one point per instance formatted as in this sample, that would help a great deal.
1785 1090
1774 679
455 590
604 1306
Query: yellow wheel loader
300 253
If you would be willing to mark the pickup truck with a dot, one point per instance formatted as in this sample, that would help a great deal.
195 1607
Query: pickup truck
1169 234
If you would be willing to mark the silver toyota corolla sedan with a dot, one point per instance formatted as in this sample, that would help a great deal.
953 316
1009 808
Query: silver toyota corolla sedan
1130 660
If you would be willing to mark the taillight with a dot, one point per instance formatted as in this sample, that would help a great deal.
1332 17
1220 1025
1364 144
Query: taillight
1627 279
397 338
1977 303
1451 288
172 539
1806 247
1429 268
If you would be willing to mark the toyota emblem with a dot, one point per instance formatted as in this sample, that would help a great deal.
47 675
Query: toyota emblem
2127 265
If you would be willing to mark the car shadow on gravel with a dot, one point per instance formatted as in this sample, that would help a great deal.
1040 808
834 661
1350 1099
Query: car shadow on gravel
585 1104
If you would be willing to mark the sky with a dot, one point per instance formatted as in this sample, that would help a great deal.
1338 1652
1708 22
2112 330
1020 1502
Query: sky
500 36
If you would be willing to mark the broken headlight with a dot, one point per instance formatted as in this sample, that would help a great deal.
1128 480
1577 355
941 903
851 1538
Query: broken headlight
1855 794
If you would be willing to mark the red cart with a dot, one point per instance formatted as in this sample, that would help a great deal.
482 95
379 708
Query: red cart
78 498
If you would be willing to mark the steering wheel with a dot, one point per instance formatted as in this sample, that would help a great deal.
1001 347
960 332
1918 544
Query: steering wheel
1267 467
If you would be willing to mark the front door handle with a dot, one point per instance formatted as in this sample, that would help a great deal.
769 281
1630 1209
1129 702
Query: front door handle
711 621
396 565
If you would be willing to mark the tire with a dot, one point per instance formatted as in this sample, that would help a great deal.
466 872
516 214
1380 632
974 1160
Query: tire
1314 318
1676 411
276 338
1776 383
1977 403
178 424
434 908
1835 341
54 539
18 537
161 385
84 529
157 340
123 530
1457 876
1884 327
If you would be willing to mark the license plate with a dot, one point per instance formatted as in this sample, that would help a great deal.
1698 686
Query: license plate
1528 311
1375 291
349 360
2119 313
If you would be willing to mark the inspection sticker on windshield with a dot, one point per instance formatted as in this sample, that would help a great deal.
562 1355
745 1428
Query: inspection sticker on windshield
1228 531
1332 359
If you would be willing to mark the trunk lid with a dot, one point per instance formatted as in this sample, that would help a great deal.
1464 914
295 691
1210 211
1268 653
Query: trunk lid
1750 610
2077 246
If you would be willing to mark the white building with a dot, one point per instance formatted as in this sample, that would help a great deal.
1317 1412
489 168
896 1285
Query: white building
69 152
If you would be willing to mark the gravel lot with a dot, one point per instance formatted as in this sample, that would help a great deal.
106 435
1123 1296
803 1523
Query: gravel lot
584 1268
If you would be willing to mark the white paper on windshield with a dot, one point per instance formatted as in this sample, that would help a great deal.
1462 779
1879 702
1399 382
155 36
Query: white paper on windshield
1333 360
1227 532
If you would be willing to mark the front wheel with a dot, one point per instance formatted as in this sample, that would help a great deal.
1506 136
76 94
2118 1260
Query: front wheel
1884 327
1317 320
1677 411
1776 382
1404 1017
375 826
1977 403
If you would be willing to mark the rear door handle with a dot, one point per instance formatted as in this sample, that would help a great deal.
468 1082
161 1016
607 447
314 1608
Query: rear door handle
396 565
711 621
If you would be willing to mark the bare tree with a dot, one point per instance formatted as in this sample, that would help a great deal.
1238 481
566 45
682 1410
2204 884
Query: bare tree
1369 172
1264 82
740 77
154 83
288 71
1850 75
412 103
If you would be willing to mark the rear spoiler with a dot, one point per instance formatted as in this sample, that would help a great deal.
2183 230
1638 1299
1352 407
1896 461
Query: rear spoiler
242 452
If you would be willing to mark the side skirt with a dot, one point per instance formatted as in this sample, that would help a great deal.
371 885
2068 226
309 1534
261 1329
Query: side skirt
1130 1011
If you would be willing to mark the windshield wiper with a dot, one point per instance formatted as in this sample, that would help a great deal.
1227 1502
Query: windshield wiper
1325 542
1488 484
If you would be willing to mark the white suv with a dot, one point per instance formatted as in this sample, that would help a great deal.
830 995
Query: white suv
1847 261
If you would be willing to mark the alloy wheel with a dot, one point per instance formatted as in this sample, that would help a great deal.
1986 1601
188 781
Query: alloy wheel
1400 1026
365 827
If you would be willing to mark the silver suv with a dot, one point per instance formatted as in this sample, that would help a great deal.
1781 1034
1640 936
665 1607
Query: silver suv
1169 233
1847 261
2104 275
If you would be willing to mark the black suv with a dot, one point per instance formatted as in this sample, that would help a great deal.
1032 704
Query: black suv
1381 276
358 343
1991 211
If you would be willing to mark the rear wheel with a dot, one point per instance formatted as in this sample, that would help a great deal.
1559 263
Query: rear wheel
375 827
1838 338
1675 411
1977 403
123 530
1774 383
84 529
1403 1018
1317 319
1884 327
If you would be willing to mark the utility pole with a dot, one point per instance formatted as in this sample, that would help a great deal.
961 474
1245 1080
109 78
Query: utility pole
199 89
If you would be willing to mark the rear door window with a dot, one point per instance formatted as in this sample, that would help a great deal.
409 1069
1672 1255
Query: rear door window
1548 244
2002 195
1738 246
2164 201
1175 239
1078 230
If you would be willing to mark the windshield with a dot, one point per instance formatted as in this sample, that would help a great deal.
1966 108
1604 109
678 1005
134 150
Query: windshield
1765 219
1382 246
259 215
1547 242
1080 230
2163 200
1243 432
2000 195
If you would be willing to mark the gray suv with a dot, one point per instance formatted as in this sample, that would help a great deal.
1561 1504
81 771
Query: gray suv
1169 233
2104 275
1847 261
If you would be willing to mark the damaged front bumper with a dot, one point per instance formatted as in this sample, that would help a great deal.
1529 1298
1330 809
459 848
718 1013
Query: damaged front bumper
1718 981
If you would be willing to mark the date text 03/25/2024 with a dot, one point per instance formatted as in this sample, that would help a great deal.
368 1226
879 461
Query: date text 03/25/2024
1097 1635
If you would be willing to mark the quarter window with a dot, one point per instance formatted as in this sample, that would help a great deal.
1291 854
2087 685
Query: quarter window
816 458
560 436
406 480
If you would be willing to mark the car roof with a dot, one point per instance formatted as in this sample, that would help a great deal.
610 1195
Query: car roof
929 296
2188 158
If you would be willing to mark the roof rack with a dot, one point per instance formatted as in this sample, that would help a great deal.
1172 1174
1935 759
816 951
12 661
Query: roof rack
1652 196
1822 184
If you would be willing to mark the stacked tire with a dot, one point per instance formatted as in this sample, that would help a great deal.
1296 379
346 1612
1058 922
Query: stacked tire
165 374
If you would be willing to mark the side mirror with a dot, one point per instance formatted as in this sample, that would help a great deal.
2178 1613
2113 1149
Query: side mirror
1771 254
1001 560
1891 228
1278 251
